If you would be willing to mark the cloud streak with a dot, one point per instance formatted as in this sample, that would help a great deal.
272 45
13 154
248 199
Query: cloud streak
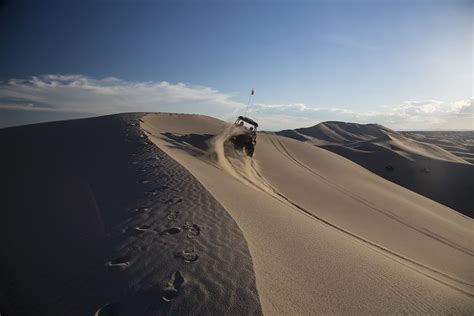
429 114
83 94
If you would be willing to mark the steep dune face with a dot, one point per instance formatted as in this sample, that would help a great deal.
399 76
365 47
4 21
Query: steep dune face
421 167
326 235
96 220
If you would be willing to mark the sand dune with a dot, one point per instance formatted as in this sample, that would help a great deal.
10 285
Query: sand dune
145 214
337 132
459 143
421 167
326 235
97 220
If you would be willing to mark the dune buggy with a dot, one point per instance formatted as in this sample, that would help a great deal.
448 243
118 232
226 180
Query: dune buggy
246 137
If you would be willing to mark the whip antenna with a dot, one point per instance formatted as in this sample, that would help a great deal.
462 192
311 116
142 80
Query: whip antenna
248 103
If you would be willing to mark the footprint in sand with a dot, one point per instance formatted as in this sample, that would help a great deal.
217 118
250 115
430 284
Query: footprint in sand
193 230
174 200
166 187
144 228
172 216
171 291
141 209
188 255
120 262
172 231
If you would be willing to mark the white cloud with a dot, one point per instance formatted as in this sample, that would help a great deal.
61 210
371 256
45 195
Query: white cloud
82 94
428 114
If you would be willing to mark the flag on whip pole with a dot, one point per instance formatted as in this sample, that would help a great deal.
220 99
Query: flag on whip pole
252 93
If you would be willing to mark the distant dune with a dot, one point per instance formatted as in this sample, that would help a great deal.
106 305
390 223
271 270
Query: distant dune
338 133
144 214
425 168
459 143
327 236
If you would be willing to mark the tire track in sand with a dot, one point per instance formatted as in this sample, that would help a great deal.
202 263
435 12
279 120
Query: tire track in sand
246 171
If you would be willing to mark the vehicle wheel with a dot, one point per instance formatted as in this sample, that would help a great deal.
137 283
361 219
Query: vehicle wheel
249 149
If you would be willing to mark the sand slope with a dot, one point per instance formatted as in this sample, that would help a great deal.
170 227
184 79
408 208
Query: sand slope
337 132
459 143
421 167
96 220
326 235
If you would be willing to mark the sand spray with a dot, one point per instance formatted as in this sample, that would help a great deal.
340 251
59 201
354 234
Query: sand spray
236 163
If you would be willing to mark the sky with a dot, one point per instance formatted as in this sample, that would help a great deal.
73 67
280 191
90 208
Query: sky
403 64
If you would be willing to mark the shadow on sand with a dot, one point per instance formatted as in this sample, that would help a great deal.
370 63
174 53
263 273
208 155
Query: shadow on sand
194 144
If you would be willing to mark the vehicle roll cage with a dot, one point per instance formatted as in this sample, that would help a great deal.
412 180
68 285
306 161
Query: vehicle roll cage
247 120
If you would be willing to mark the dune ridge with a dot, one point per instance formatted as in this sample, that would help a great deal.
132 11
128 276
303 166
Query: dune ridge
459 143
151 213
421 167
97 220
316 222
339 132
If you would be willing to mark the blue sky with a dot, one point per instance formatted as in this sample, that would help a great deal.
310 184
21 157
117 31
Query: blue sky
404 64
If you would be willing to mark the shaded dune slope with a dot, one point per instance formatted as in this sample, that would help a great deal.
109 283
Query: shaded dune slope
97 220
421 167
326 235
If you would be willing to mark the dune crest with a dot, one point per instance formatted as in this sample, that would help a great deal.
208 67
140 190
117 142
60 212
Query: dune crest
97 220
421 167
459 143
321 229
157 210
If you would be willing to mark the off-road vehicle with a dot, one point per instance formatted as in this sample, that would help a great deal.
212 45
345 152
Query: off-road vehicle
246 137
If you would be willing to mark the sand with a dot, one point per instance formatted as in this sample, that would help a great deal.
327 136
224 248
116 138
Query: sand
96 220
325 235
459 143
421 166
145 214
